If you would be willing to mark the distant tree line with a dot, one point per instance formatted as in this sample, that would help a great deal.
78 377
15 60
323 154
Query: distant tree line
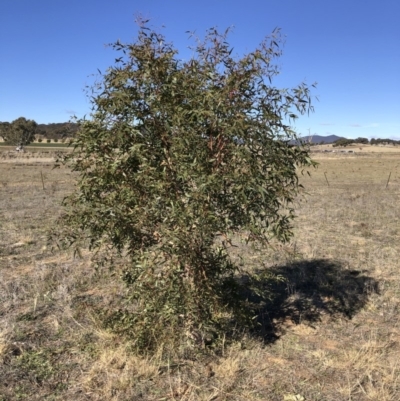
22 131
379 141
57 130
365 141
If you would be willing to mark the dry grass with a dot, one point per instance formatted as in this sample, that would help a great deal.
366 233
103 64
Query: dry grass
360 148
333 327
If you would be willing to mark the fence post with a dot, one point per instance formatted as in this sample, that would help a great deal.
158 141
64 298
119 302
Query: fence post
326 179
388 179
41 174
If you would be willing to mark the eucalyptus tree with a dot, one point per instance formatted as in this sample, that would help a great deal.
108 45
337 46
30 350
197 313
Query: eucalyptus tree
20 132
177 157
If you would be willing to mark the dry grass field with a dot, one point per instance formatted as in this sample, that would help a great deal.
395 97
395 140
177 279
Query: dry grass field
360 148
333 323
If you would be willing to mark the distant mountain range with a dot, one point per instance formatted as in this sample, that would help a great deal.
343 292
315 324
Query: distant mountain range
317 139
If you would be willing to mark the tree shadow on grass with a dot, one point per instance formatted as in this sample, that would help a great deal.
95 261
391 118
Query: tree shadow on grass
303 292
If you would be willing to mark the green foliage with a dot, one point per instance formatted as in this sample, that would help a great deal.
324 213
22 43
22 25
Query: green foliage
346 142
36 364
178 157
364 141
57 130
4 127
343 142
48 140
383 141
20 132
40 140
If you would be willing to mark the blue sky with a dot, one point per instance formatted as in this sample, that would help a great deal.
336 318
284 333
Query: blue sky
50 48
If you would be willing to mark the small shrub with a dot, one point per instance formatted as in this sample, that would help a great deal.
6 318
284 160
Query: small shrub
178 157
48 141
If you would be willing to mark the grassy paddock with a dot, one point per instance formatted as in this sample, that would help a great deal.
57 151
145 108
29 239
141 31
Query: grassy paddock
32 157
333 325
36 145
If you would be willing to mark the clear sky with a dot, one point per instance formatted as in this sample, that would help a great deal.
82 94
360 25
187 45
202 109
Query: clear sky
351 48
